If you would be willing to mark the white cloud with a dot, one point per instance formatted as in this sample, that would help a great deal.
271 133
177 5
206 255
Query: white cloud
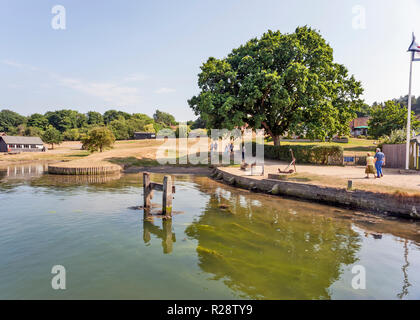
164 90
113 93
107 91
12 63
135 77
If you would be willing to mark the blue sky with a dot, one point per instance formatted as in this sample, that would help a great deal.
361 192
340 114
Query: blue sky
141 55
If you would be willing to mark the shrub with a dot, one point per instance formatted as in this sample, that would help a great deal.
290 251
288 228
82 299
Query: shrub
396 137
313 154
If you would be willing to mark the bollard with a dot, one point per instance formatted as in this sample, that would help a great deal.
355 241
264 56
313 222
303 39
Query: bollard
349 185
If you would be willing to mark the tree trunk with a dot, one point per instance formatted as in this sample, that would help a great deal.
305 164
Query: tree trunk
52 146
276 140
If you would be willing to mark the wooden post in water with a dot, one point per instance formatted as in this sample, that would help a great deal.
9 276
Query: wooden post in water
147 190
167 196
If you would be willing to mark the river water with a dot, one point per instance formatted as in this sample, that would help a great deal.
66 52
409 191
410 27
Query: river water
222 243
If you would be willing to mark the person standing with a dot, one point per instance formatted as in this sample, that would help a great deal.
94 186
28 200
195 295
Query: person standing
379 162
370 166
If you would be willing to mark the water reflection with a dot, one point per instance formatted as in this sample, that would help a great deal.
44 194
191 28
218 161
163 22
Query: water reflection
271 254
25 171
234 243
406 283
73 180
165 233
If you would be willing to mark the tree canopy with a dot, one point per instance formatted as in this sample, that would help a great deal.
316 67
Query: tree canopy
95 118
71 124
9 120
52 136
388 117
99 138
284 83
164 118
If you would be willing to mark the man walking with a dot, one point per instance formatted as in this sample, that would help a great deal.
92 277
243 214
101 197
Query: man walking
379 162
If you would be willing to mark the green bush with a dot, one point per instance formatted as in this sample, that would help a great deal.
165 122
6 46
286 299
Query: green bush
313 154
396 137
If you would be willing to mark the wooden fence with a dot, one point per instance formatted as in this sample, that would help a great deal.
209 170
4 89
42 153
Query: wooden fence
395 155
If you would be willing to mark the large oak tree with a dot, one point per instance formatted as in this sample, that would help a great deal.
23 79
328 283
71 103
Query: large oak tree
284 83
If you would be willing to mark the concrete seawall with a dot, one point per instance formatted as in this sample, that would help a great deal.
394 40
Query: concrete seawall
407 207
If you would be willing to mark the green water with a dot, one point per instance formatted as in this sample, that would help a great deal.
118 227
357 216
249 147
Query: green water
222 243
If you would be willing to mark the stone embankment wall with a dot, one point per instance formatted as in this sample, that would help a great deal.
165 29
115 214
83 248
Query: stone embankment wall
407 207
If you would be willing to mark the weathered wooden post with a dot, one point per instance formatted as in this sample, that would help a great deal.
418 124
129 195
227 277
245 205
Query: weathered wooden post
147 190
349 185
167 196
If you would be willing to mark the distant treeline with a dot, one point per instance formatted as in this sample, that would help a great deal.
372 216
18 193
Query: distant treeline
415 105
72 124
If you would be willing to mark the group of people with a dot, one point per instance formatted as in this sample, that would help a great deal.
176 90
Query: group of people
374 164
229 148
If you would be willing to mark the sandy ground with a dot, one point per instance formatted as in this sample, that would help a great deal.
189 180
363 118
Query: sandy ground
73 151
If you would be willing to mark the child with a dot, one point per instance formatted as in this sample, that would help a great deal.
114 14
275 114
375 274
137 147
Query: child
370 166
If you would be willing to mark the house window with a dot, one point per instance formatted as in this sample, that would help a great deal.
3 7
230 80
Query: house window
26 146
18 146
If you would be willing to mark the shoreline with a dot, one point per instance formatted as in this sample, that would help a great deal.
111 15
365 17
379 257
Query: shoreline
373 202
399 205
170 170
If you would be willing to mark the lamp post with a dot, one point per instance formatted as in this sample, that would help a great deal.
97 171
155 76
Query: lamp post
407 148
413 49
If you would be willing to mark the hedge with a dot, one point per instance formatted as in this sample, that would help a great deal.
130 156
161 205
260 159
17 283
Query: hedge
313 154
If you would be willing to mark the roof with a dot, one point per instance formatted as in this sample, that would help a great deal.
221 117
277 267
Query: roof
21 140
361 127
359 122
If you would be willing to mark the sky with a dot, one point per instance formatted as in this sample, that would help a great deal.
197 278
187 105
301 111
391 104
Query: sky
139 56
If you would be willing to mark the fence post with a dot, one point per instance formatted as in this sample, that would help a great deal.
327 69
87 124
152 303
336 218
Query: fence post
167 196
146 190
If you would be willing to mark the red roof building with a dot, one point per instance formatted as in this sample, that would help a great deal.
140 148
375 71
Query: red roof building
359 126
